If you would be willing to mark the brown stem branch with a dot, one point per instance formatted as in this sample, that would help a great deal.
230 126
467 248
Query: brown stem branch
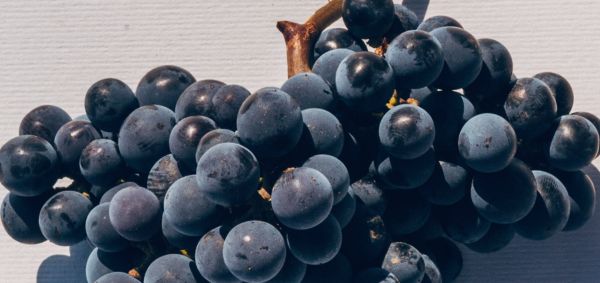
299 38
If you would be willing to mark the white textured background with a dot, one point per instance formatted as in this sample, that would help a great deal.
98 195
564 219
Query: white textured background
52 51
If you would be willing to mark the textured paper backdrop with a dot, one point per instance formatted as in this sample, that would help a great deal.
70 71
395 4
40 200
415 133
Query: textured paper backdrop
52 51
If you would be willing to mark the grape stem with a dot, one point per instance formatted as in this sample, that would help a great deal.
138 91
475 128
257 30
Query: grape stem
299 38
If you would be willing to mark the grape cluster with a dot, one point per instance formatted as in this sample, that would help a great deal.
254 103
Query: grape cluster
368 169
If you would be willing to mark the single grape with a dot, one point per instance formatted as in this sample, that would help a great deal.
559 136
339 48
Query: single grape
582 194
337 38
417 59
462 58
144 136
497 237
209 257
28 166
292 271
572 143
20 217
487 143
404 20
135 213
406 131
108 195
505 196
327 64
560 89
62 218
335 172
163 86
302 198
592 118
100 263
309 90
213 138
432 273
550 212
316 245
446 256
326 134
116 277
530 108
462 223
269 123
344 210
405 262
44 122
369 193
188 209
70 140
197 99
448 184
172 268
254 251
407 212
404 174
375 274
100 231
336 270
495 74
177 239
365 238
449 111
185 137
226 103
364 82
368 19
228 174
435 22
100 162
108 102
162 175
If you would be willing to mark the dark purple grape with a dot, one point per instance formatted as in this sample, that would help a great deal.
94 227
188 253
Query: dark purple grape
405 262
108 102
335 172
302 198
185 137
462 58
177 239
405 174
368 18
108 195
582 194
100 263
189 210
592 118
28 166
100 231
197 99
337 38
324 132
406 213
530 108
448 184
135 213
487 143
462 223
269 123
209 257
551 211
213 138
316 245
375 274
435 22
446 256
369 193
228 174
572 143
344 210
163 86
432 273
561 90
449 111
365 238
495 74
292 271
144 136
70 140
100 162
416 58
254 251
364 82
162 175
116 277
62 218
497 237
309 90
44 122
172 268
406 131
336 270
327 64
404 20
226 103
20 217
505 196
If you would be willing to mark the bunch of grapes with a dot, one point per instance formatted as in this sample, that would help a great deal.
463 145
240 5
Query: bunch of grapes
368 169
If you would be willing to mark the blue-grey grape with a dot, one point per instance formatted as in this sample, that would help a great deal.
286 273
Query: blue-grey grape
406 131
309 90
135 213
335 172
44 122
100 162
213 138
561 90
100 231
163 86
462 58
185 137
172 268
108 102
62 218
197 99
530 108
368 19
316 245
337 38
209 257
